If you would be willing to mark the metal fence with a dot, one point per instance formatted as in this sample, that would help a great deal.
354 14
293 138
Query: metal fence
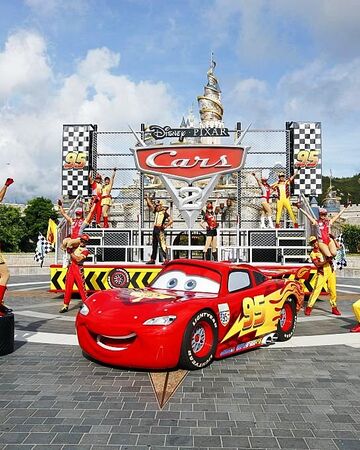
268 154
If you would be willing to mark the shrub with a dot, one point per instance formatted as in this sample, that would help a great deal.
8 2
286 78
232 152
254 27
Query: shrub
351 234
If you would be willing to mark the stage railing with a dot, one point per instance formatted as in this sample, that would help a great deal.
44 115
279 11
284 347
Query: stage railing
114 246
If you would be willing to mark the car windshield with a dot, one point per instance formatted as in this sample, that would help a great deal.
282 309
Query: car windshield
195 280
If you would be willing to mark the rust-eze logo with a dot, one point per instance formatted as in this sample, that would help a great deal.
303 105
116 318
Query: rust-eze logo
189 162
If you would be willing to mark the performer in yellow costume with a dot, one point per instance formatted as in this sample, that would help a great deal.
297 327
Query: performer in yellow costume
162 220
325 276
4 271
282 190
106 198
356 309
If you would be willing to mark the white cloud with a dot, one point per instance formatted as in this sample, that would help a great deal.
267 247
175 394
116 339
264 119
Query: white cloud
330 93
31 126
23 64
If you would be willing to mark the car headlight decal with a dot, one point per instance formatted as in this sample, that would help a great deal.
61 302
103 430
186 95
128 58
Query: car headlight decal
84 311
161 320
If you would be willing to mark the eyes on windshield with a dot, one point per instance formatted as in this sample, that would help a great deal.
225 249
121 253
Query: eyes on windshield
181 281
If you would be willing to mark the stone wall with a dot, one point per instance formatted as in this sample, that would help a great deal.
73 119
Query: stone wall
24 264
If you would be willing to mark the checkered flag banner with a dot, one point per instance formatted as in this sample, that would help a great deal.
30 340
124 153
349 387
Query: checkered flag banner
42 248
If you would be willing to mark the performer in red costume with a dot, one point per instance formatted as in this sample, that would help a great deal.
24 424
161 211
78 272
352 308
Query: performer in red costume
327 244
96 191
265 201
209 223
78 224
4 271
75 272
106 198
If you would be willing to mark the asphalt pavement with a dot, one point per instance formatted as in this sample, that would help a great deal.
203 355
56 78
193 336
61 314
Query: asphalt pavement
301 394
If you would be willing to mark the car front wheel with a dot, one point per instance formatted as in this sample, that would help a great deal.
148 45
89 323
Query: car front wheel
287 322
200 340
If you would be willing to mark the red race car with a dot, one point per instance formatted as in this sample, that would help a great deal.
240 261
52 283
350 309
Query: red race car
193 312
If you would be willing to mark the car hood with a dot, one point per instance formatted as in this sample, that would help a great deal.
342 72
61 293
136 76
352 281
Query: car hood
128 307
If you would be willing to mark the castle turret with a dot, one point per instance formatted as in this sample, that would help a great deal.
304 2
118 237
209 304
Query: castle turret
210 107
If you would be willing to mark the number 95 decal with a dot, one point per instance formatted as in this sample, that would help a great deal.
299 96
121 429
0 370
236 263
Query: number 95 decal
75 160
307 158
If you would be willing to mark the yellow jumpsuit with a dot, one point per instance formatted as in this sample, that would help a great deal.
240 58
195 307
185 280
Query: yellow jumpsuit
356 308
324 276
283 201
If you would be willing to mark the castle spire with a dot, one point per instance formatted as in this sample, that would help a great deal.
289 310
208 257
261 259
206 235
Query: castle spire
210 106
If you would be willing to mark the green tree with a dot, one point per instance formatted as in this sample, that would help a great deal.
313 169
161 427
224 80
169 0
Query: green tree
351 234
348 188
36 217
11 228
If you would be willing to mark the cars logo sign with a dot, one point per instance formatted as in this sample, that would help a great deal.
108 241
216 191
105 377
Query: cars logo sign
189 162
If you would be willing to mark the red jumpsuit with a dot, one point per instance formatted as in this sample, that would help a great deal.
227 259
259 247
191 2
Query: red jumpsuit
323 231
96 190
76 225
75 274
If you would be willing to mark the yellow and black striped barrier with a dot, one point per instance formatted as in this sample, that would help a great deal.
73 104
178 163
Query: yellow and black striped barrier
100 277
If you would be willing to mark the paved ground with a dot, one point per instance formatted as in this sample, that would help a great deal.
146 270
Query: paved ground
303 396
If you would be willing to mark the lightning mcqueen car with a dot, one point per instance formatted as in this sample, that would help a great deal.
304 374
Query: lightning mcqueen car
193 312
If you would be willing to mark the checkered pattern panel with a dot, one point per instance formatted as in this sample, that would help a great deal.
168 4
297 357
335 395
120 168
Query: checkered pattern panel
75 153
306 141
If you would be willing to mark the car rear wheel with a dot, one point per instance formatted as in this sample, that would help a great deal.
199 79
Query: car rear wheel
200 340
287 322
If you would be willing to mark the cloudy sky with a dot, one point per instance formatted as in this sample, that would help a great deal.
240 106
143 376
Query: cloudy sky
114 62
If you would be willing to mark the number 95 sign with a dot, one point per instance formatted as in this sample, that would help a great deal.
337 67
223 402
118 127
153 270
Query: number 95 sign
307 158
75 160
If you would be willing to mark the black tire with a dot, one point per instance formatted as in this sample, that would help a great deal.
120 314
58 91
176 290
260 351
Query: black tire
287 322
118 278
7 333
200 341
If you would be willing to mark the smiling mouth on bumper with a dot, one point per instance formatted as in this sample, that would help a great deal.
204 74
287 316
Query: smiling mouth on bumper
115 343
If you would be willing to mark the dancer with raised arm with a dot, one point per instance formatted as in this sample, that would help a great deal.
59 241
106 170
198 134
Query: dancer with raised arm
282 190
96 192
322 231
266 212
106 197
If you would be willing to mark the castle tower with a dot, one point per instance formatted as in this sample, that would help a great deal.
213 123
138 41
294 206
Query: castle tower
210 107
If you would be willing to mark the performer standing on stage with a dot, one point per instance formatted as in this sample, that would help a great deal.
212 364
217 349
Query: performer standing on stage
282 189
162 220
4 271
75 272
322 226
106 198
266 211
325 275
209 223
96 192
